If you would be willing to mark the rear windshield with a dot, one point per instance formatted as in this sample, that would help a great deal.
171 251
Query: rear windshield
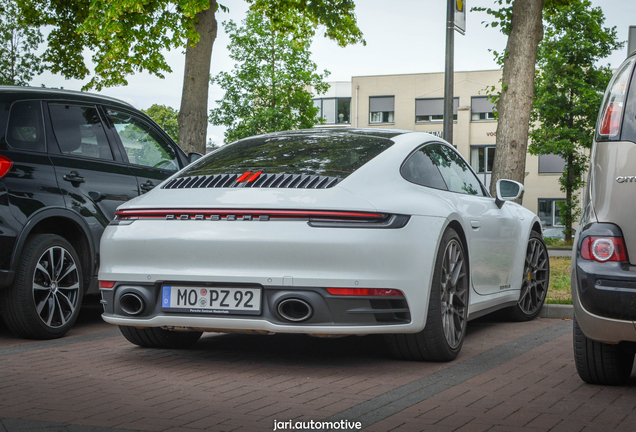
334 154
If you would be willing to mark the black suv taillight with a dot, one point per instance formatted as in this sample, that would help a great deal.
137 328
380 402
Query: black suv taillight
5 165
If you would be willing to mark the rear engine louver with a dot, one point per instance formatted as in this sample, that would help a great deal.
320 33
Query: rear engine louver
293 181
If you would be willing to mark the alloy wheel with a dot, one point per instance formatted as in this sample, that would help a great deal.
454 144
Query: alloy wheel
535 277
56 287
454 294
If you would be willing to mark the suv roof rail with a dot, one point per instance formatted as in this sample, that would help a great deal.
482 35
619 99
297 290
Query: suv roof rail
53 91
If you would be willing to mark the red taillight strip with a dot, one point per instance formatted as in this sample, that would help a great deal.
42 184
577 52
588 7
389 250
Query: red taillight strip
271 213
254 176
5 166
244 176
370 292
106 284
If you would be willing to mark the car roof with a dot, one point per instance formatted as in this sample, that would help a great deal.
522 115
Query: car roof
337 132
47 93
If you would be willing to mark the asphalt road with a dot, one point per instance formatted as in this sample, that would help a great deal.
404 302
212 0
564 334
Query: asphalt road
508 377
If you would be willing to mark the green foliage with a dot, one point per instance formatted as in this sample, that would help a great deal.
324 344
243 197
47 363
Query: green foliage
268 89
337 16
502 19
126 37
18 44
166 117
569 89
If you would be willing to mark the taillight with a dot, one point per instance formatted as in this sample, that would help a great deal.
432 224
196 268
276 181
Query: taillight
375 292
611 114
106 284
5 166
611 120
604 249
315 218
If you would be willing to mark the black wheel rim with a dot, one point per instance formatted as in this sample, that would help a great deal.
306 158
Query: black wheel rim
535 277
454 294
56 287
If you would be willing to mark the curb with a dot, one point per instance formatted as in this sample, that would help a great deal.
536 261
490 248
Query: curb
557 311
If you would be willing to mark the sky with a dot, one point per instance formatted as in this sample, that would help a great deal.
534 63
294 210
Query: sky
407 37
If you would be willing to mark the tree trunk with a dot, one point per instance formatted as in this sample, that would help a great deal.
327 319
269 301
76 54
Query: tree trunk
515 101
193 115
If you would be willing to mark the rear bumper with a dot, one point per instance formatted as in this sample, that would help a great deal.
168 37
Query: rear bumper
286 259
604 294
328 314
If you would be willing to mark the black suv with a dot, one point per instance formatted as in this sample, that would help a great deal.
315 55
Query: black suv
67 160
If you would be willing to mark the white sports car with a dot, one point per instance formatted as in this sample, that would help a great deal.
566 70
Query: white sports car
324 232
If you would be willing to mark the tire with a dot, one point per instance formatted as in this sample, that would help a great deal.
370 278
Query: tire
155 337
536 279
601 363
45 298
445 329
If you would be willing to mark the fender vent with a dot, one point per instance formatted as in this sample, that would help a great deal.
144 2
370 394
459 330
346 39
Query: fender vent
293 181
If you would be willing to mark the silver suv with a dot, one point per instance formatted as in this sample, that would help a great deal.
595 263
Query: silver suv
604 259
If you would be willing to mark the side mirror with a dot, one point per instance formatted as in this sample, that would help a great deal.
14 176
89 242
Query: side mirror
508 190
194 156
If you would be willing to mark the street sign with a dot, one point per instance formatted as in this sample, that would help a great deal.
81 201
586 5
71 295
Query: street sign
460 16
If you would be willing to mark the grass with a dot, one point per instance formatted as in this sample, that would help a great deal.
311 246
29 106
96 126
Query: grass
559 289
556 242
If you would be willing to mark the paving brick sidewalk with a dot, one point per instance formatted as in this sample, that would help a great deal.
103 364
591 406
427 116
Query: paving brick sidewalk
95 378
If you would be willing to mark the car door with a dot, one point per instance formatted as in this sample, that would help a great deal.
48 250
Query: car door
151 156
92 175
492 232
31 185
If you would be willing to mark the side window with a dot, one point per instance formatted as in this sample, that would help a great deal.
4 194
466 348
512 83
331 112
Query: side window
25 127
455 172
79 131
420 169
142 144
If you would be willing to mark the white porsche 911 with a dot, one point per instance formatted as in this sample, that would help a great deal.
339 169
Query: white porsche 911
323 232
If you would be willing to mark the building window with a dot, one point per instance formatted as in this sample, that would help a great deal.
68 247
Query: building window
481 108
482 159
549 212
344 110
381 109
551 164
432 110
334 110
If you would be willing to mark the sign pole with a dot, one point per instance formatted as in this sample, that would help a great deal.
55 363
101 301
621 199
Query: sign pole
449 72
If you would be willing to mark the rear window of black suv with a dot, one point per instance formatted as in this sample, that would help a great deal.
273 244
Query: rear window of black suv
25 129
323 153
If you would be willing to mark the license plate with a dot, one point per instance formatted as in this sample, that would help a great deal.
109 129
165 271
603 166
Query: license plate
211 300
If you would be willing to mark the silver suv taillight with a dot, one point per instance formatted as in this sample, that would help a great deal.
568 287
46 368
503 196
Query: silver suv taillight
611 114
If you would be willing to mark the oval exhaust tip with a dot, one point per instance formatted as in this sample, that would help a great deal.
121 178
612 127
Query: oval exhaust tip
131 303
295 310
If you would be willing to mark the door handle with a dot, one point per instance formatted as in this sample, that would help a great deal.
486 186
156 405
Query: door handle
74 177
475 224
147 186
